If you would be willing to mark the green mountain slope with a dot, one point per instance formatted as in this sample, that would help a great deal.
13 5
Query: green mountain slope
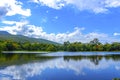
20 38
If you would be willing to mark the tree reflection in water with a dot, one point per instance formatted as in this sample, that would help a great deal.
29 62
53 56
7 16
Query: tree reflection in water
25 58
26 66
94 58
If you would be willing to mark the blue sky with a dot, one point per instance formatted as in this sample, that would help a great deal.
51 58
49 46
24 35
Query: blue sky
62 20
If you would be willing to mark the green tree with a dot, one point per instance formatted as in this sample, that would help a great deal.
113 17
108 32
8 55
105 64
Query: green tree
115 46
10 46
51 48
107 47
65 45
95 41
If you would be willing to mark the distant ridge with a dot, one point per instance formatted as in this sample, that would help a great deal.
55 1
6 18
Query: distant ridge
4 33
19 38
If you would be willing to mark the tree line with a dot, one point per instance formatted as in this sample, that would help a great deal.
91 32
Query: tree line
93 45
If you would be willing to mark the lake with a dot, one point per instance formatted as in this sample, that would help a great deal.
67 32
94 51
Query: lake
61 66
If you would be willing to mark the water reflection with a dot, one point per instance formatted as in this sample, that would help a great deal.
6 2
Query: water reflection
80 66
94 58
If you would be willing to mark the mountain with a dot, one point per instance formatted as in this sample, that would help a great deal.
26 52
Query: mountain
19 38
4 33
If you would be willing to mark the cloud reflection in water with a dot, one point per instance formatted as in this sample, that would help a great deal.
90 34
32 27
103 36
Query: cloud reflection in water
21 72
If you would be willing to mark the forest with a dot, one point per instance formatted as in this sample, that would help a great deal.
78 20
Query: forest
94 45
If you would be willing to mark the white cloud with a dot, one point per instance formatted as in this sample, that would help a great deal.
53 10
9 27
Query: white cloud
14 7
35 1
112 3
97 6
9 22
90 5
56 4
116 34
15 28
24 28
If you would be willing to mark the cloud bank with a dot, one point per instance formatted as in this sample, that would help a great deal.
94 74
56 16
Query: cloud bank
96 6
26 29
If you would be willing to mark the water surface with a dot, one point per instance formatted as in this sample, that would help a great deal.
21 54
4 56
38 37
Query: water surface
61 66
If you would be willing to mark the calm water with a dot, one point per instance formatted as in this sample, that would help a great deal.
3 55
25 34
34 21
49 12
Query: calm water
62 66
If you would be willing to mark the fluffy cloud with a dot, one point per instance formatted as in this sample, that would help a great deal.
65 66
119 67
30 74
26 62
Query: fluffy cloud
97 6
24 28
112 3
9 22
116 34
56 4
13 7
15 28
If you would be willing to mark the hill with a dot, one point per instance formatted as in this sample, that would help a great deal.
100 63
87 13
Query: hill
19 38
4 33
